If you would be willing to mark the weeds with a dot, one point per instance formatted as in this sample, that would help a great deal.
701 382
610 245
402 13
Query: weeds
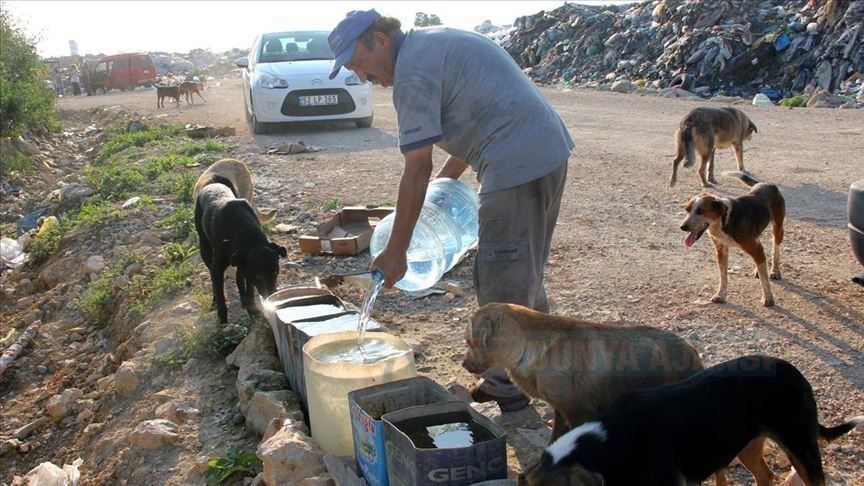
140 138
237 461
100 299
15 164
796 101
167 279
181 223
208 340
193 149
46 242
333 204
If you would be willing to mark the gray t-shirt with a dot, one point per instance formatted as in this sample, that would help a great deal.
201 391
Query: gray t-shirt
464 93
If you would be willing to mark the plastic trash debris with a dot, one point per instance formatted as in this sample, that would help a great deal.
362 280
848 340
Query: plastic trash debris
11 253
31 220
762 100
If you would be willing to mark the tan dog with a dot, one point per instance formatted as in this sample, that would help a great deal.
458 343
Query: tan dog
189 89
163 92
704 130
580 367
238 178
739 222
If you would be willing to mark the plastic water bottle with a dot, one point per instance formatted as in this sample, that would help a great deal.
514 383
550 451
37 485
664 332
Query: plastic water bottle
447 227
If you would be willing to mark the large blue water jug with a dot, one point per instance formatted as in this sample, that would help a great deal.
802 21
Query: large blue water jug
447 227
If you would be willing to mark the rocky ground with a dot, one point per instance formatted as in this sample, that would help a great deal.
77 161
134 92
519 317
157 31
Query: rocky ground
92 392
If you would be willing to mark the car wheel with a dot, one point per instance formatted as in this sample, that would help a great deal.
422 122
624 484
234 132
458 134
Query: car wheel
259 128
364 123
131 87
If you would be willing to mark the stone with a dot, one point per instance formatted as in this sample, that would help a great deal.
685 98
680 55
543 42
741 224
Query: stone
73 195
126 379
342 470
257 379
154 434
177 412
25 431
59 406
257 347
265 406
622 86
289 457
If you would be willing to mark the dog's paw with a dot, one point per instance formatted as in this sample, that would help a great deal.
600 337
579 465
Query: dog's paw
755 273
775 275
672 183
718 299
768 301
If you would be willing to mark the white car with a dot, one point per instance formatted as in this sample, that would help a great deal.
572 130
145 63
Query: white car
286 79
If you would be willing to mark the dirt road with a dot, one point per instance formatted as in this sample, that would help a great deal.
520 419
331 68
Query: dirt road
618 253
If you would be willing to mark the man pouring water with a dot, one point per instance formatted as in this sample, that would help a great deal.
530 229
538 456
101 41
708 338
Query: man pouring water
460 91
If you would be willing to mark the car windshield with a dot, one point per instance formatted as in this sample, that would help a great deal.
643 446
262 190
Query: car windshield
294 46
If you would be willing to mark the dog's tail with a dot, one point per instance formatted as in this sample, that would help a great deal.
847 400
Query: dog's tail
742 176
262 217
217 179
687 142
829 434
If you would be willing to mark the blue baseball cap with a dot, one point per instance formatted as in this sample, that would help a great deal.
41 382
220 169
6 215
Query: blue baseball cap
343 39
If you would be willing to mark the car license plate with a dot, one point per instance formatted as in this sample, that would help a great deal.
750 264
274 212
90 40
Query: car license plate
319 100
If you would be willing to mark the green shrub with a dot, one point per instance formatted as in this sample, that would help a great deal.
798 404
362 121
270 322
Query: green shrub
796 101
140 138
237 461
181 223
210 340
25 102
97 303
44 244
333 203
14 164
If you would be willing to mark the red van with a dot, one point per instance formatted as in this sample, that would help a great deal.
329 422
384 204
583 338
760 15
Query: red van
123 71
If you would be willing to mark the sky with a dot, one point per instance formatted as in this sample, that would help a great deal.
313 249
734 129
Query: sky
112 27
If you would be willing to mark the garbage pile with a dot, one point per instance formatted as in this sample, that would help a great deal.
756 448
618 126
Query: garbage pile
708 47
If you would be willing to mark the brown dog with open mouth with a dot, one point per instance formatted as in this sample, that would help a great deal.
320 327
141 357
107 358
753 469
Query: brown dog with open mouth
739 222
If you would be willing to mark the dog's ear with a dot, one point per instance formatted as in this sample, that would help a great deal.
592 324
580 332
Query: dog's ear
280 250
688 205
237 259
720 208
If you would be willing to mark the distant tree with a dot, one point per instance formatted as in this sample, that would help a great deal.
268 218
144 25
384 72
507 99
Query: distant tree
26 103
423 20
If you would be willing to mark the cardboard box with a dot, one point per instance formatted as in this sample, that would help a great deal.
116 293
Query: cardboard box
346 233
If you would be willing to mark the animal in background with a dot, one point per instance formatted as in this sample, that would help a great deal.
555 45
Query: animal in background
163 92
704 130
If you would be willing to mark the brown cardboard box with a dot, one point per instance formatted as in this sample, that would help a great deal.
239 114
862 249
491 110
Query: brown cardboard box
346 233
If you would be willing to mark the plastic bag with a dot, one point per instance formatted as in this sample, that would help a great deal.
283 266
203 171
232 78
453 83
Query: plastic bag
762 100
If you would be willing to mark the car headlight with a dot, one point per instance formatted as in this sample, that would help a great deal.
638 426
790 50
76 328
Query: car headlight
270 82
353 80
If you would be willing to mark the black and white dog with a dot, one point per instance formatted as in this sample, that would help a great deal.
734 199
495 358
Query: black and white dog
230 234
680 434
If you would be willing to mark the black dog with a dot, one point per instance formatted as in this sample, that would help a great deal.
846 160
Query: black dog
230 234
680 434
